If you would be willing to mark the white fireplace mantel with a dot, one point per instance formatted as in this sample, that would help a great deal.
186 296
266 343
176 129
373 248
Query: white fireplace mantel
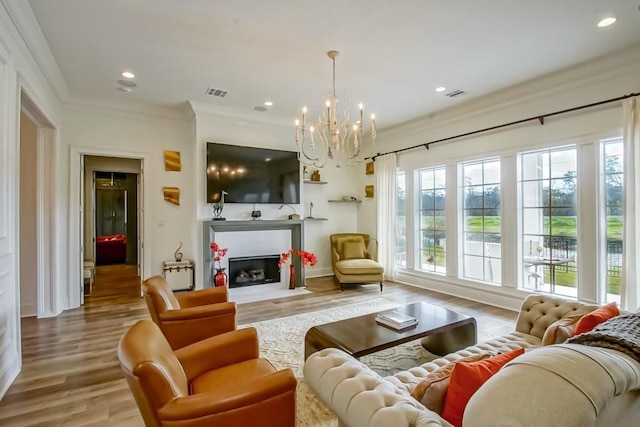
210 228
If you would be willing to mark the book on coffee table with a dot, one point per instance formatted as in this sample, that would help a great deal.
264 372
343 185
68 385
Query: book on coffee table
396 320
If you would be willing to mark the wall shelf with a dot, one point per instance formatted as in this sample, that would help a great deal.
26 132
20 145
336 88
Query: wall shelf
316 219
308 181
345 201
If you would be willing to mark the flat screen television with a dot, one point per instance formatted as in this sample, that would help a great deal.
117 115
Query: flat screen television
252 175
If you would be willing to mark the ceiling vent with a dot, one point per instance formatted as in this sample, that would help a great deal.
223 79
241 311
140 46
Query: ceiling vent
456 93
216 92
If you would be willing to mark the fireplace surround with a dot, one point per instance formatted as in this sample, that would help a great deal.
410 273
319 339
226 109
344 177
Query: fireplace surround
211 228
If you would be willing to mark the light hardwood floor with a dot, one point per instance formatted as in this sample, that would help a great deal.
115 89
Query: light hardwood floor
70 373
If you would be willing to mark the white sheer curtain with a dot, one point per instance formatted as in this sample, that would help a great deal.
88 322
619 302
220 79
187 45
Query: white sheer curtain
630 287
385 193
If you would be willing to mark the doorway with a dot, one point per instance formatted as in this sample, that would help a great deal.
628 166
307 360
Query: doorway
116 225
111 222
37 266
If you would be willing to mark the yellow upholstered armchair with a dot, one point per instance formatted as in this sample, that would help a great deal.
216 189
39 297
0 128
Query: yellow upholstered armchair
189 317
354 259
221 381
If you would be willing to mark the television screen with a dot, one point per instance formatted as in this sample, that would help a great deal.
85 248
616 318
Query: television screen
252 175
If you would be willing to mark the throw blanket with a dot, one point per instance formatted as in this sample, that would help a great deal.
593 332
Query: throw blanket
620 333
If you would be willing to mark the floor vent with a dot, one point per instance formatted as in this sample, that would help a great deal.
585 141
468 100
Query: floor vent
456 93
216 92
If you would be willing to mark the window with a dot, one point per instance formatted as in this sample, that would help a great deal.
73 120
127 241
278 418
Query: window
548 215
613 173
401 221
481 238
431 214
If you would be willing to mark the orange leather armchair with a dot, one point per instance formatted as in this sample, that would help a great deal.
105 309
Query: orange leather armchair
220 381
189 317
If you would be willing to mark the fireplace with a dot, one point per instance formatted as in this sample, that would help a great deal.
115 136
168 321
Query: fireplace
249 271
246 239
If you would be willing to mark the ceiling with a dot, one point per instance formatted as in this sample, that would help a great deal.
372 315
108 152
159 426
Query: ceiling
393 54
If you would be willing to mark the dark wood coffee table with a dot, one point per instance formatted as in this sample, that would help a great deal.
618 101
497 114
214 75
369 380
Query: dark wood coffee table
442 331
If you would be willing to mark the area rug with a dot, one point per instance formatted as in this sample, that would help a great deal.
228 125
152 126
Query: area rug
282 343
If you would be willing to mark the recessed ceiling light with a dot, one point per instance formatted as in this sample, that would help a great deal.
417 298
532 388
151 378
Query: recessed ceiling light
260 108
268 159
606 22
127 83
128 74
441 89
268 103
124 89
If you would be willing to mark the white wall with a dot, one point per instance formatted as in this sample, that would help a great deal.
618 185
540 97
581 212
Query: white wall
216 125
28 217
609 77
139 133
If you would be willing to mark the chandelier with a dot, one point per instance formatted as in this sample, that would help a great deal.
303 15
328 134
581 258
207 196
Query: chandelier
334 135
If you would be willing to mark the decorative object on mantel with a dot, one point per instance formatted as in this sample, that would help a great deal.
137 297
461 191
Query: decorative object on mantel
294 215
310 210
368 191
172 195
308 258
349 199
369 168
218 206
315 175
220 278
177 254
255 214
172 161
335 135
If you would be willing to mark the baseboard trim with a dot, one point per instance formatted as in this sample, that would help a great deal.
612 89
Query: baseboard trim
509 299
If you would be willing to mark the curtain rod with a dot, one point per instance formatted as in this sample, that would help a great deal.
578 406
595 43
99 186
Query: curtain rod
539 118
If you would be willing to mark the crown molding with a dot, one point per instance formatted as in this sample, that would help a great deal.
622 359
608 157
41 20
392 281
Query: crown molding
204 109
560 83
35 47
129 109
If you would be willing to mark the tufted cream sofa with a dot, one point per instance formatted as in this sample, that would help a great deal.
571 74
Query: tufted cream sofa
360 397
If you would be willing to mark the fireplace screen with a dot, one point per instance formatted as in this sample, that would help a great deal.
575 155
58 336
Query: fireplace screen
248 271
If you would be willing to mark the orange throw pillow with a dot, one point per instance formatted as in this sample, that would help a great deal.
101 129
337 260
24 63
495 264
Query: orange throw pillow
467 378
597 316
432 390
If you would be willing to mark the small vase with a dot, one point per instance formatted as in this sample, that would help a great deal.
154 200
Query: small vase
292 277
220 278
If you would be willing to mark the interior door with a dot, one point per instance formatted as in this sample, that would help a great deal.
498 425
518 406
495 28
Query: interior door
111 212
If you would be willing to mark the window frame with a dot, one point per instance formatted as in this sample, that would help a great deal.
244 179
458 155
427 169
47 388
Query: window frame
420 231
486 255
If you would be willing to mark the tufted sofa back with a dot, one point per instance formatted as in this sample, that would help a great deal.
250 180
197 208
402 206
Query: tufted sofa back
540 311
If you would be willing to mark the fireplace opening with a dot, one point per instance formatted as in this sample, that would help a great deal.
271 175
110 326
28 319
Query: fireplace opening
249 271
